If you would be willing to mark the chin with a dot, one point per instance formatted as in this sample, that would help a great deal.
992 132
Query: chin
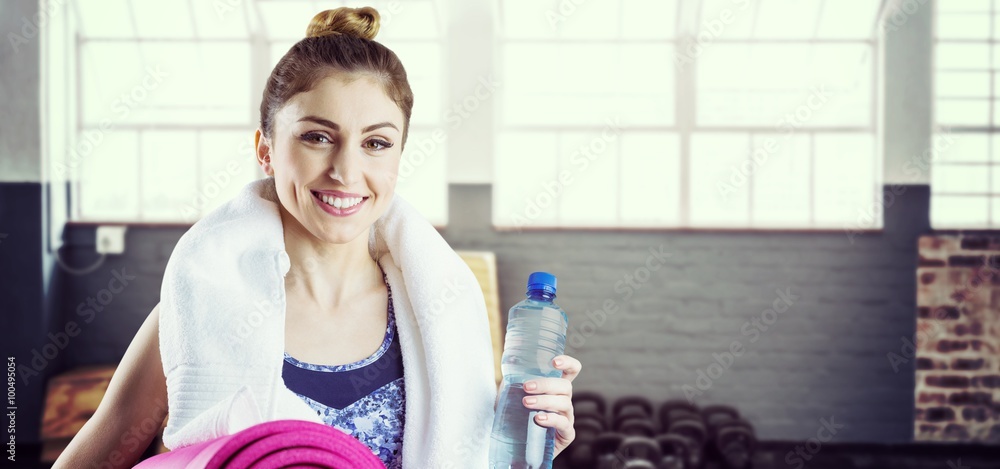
340 234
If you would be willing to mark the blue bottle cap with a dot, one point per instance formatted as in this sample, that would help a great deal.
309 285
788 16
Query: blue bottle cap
542 281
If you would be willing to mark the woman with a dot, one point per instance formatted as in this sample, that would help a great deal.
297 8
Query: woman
334 119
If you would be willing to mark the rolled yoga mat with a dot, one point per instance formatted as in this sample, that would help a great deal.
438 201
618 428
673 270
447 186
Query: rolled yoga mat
272 445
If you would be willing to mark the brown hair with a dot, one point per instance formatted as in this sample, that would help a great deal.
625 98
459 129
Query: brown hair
337 41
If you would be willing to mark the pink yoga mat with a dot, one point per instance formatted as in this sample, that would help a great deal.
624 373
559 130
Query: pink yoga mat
272 445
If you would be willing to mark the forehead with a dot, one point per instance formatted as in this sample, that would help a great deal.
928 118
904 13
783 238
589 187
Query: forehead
357 100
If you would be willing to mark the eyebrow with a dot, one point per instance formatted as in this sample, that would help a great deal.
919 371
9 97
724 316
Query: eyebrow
334 126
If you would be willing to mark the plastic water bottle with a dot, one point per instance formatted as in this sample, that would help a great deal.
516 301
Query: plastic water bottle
536 333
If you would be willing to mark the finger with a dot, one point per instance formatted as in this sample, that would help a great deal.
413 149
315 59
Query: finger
570 366
558 404
561 423
549 386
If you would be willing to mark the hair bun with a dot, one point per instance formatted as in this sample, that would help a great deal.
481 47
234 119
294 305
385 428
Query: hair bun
358 22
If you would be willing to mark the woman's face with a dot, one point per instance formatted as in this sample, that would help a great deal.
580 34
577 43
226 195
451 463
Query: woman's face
340 141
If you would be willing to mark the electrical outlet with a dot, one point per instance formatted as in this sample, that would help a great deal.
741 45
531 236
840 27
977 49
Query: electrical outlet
110 239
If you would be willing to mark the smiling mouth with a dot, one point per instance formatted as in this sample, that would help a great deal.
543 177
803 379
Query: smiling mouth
339 206
340 203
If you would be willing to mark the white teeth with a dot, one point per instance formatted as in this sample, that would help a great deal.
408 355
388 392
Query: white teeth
338 202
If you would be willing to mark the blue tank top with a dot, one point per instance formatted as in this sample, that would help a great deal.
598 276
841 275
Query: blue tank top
365 399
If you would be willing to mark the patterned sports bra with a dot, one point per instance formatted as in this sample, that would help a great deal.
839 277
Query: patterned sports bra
365 399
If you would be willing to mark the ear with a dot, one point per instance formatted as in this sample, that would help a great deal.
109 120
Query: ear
263 147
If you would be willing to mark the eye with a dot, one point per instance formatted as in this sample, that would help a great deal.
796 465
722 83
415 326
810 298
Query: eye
377 144
314 137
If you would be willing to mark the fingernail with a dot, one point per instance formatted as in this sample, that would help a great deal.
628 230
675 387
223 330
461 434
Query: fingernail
558 362
530 385
530 400
542 416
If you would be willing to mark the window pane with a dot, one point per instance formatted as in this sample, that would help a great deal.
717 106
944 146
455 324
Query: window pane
739 15
422 178
221 19
227 162
551 19
963 26
525 177
649 19
847 185
591 198
962 56
762 85
159 19
786 19
529 19
169 162
287 19
561 84
165 83
963 179
962 84
650 179
424 72
718 198
115 157
587 20
963 6
105 18
959 211
951 112
781 180
961 148
847 19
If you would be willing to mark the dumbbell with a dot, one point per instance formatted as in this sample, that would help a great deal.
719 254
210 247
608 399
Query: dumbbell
579 452
637 426
638 464
697 436
631 407
736 445
605 450
733 440
737 448
718 413
640 448
674 451
674 410
588 427
589 402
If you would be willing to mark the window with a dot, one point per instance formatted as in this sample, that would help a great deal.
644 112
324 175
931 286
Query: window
166 98
687 114
965 172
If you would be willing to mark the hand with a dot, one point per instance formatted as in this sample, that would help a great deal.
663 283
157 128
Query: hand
554 395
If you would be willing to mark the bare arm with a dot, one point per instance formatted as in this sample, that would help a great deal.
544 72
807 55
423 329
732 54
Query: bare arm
132 411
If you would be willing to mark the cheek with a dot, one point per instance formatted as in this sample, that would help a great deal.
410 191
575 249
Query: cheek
391 171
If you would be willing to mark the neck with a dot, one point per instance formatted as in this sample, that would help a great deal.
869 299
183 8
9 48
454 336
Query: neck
328 273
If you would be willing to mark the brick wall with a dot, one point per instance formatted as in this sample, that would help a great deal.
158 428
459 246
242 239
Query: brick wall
958 339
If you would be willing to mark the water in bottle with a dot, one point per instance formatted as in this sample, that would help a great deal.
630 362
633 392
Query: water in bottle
536 333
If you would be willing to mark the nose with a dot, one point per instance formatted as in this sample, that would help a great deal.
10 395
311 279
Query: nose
345 165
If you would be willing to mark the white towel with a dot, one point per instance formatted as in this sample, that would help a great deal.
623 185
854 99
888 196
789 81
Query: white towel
222 315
